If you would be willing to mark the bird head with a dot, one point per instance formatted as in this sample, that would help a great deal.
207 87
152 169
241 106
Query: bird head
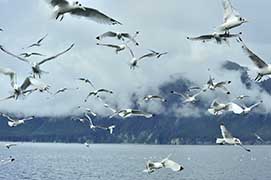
243 20
76 4
237 141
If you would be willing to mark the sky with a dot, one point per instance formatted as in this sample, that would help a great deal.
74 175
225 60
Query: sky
163 26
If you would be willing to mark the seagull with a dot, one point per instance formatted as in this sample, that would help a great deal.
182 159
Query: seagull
134 61
86 144
77 9
119 36
228 138
217 108
263 69
241 97
87 110
125 113
15 122
218 37
36 71
87 81
117 47
211 85
63 90
154 54
6 161
187 98
26 55
38 43
10 145
95 93
165 163
22 90
231 18
247 109
94 127
151 97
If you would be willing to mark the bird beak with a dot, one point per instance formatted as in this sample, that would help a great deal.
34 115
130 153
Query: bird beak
83 8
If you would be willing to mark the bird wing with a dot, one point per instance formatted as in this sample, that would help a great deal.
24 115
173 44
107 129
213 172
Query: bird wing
107 34
8 117
55 3
229 11
94 15
131 52
34 82
55 56
6 98
201 38
131 38
109 45
255 59
255 105
147 55
10 73
87 81
161 54
235 108
225 133
28 118
37 54
105 90
179 94
141 113
112 109
13 55
172 165
41 39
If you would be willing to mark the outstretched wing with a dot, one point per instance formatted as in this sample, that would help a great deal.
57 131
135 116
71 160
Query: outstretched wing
225 133
55 56
255 105
107 34
10 73
255 59
229 11
201 38
172 165
94 15
8 117
109 45
13 55
60 3
35 83
235 108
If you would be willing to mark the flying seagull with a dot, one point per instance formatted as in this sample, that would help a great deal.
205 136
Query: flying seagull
94 127
218 37
187 98
117 48
8 146
125 113
77 9
165 163
154 54
241 97
23 89
26 55
119 35
86 81
263 69
217 108
152 97
247 109
62 90
228 138
134 61
98 91
38 43
231 18
36 70
15 122
211 85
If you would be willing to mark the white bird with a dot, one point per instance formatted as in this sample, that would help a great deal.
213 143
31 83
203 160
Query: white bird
228 138
87 110
118 48
36 70
38 43
211 85
188 98
125 113
263 69
26 54
8 160
94 127
217 108
165 163
248 109
134 61
77 9
96 92
241 97
86 81
120 36
152 97
10 145
62 90
15 122
23 89
154 54
231 18
218 37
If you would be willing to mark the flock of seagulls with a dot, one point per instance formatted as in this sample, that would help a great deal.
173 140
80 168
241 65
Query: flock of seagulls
32 83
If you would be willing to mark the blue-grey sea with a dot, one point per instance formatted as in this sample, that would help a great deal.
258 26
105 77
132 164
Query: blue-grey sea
57 161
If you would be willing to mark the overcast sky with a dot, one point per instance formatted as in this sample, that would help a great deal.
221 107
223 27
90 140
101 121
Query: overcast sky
163 26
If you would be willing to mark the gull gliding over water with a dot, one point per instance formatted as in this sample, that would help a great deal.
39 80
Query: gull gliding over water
36 70
165 163
228 138
77 9
15 122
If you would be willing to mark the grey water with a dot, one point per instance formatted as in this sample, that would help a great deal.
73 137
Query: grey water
55 161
